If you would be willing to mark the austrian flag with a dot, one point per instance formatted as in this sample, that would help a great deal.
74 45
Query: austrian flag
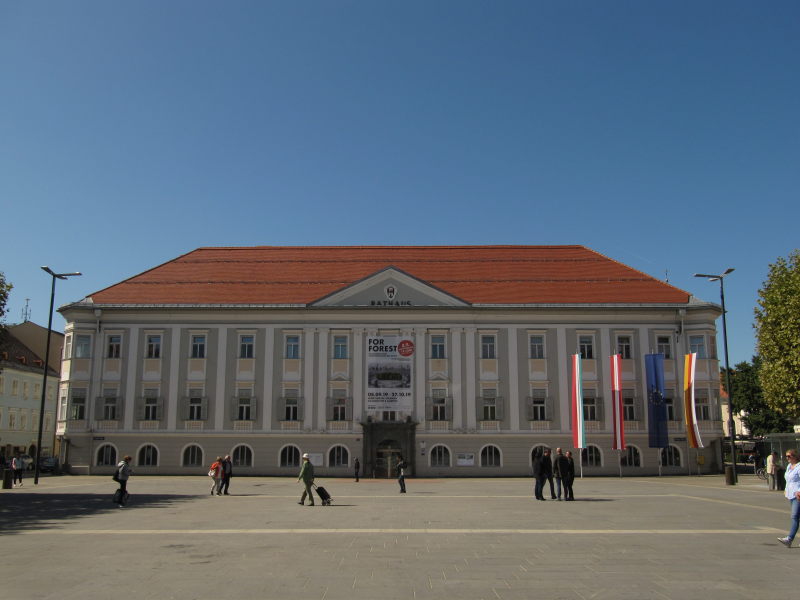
578 433
616 402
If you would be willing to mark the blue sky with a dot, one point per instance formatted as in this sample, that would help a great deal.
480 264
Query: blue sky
662 134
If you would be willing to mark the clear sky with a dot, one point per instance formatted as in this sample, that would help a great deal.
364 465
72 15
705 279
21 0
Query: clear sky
662 134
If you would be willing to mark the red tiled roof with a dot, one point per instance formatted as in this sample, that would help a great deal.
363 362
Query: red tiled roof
475 274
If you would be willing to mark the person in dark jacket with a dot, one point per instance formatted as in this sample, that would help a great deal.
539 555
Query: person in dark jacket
538 474
357 468
560 470
401 474
227 473
547 469
569 477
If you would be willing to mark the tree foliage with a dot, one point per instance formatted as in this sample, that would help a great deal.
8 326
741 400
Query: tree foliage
5 289
758 417
778 334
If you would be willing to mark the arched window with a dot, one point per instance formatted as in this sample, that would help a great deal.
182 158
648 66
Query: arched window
106 456
591 457
670 457
538 449
148 456
338 457
440 456
631 457
193 456
290 456
490 456
242 456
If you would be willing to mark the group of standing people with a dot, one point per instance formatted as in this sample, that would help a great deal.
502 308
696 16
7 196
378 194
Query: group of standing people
776 474
220 472
547 468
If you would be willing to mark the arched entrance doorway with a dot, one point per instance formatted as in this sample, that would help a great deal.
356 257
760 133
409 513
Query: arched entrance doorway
387 455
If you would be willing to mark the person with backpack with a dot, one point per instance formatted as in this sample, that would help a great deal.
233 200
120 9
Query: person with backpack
121 476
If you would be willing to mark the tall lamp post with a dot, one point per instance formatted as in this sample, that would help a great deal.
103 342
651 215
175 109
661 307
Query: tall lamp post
731 426
47 365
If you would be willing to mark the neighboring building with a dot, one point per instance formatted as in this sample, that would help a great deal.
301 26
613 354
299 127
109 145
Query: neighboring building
269 352
21 375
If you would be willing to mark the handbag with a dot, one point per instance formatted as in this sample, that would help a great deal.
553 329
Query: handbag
211 473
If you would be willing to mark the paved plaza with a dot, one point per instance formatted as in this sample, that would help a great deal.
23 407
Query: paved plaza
638 538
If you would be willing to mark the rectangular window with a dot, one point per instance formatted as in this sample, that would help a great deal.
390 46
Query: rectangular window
439 404
669 402
488 346
538 405
77 410
62 408
151 404
110 405
589 405
83 344
489 404
25 389
664 346
624 346
340 346
290 402
196 404
339 405
246 346
153 346
389 415
244 408
586 346
198 346
14 387
697 344
68 347
114 346
437 346
12 419
702 405
628 405
536 343
292 346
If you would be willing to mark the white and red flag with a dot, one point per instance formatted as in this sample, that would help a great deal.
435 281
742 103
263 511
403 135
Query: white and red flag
578 432
616 403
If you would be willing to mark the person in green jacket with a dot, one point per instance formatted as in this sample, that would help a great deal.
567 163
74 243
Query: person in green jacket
307 475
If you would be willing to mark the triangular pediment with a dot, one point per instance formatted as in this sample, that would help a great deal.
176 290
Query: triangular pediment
390 288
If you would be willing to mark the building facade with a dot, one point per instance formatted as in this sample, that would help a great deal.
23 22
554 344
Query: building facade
456 358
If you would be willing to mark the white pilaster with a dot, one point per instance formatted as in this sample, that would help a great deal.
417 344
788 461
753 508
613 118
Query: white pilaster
563 353
607 346
513 377
357 374
456 384
173 383
269 369
471 361
322 380
133 374
221 400
420 379
308 378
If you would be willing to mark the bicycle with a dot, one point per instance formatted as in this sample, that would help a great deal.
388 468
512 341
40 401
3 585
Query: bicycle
761 473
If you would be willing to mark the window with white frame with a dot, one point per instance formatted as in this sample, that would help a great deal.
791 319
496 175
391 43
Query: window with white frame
624 346
113 346
246 346
440 456
488 349
68 347
628 405
697 345
340 347
631 457
63 405
77 409
670 457
669 402
148 456
292 346
151 404
586 346
193 456
489 397
664 345
195 404
590 411
242 456
83 344
702 405
153 346
25 389
291 405
438 346
244 404
109 411
591 457
106 456
338 457
389 415
198 346
12 419
490 456
439 404
339 404
290 456
536 346
539 404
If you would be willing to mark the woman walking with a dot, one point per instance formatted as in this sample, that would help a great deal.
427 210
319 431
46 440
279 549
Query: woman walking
793 495
216 471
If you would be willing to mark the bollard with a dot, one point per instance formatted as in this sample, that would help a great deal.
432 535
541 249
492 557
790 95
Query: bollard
8 479
730 478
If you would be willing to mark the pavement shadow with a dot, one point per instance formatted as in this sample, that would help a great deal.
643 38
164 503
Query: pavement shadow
22 511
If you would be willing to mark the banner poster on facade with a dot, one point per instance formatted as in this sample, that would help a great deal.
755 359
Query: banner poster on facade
390 359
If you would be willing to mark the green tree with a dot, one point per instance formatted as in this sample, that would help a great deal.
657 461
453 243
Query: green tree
778 333
758 417
5 289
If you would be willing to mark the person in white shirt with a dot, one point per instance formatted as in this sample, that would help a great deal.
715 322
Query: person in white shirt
773 462
792 494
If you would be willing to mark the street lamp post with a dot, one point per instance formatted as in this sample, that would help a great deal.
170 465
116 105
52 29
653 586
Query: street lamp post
47 365
731 426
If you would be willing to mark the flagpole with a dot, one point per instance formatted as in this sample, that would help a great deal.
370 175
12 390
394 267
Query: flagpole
619 461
